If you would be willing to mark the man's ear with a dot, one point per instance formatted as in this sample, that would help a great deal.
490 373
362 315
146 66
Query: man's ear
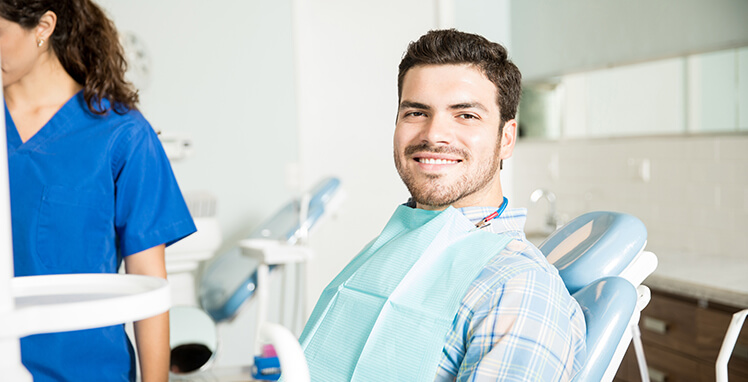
46 26
508 139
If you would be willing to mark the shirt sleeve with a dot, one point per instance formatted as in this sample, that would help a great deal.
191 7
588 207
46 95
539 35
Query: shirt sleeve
526 329
149 207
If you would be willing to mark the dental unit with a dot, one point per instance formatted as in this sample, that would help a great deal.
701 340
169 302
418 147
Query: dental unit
233 294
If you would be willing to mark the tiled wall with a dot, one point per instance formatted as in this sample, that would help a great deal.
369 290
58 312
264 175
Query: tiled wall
690 191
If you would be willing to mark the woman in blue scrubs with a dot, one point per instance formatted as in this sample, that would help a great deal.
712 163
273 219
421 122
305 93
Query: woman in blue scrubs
90 184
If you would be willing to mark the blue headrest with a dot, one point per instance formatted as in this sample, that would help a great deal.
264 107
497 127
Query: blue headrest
608 305
284 225
230 279
594 245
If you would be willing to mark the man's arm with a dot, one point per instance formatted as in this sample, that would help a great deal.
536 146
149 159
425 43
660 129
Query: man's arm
529 330
151 334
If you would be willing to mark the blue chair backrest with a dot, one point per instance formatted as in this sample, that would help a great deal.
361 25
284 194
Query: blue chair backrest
594 245
589 253
608 305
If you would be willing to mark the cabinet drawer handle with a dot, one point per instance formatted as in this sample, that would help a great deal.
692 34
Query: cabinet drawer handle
655 325
656 375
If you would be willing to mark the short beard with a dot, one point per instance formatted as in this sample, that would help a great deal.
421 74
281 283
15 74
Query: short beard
434 194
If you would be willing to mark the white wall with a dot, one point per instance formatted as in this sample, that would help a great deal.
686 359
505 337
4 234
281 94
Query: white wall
488 18
222 72
558 37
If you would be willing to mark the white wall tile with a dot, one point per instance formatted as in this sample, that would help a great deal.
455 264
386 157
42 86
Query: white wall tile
696 200
732 148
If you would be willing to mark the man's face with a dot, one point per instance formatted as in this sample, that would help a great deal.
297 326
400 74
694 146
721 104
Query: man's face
447 147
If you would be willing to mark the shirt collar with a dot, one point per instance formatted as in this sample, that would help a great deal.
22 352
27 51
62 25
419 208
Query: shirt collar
512 220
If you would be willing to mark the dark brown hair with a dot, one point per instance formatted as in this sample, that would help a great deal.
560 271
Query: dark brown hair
86 43
449 47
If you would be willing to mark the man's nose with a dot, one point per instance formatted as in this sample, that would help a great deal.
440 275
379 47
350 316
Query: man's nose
437 130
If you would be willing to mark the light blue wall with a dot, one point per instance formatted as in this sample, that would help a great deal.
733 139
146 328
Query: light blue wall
714 88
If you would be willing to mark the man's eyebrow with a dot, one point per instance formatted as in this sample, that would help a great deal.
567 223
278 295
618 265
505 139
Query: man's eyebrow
414 105
468 105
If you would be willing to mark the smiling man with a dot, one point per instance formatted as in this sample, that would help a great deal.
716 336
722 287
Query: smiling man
451 289
450 138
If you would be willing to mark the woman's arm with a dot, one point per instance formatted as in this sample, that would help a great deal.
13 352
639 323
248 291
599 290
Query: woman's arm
151 334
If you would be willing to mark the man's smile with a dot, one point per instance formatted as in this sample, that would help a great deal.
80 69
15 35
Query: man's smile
431 158
436 161
433 162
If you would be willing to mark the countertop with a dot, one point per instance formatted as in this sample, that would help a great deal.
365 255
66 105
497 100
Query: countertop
712 278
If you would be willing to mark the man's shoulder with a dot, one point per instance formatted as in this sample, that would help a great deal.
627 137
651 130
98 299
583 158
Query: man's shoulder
519 258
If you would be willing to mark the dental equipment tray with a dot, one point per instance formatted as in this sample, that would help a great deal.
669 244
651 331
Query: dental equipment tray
58 303
230 280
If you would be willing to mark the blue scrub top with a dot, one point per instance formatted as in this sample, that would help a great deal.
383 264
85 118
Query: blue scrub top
86 191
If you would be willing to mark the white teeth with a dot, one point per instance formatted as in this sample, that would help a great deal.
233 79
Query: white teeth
436 161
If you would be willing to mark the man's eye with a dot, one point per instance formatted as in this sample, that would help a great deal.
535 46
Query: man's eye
468 116
414 114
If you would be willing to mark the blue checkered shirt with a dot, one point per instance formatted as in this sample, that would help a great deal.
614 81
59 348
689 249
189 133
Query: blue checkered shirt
517 321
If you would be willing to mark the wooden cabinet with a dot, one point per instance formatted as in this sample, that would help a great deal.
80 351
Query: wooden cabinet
682 337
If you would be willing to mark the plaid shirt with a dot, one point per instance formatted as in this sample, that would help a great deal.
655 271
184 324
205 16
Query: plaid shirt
517 321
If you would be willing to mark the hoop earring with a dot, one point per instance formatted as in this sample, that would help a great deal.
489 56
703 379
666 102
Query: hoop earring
40 42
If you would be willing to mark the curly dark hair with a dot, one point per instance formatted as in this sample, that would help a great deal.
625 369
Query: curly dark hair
86 43
449 46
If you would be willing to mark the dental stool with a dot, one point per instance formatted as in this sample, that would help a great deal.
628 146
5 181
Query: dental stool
601 259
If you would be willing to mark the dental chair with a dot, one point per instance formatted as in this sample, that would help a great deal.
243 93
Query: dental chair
601 259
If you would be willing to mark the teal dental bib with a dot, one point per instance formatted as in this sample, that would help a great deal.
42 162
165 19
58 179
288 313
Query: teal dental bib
387 314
